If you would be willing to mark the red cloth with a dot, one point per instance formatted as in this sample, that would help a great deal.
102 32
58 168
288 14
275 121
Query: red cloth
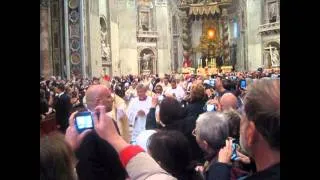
128 153
106 78
187 63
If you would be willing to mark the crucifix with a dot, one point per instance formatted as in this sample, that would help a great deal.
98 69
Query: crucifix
270 48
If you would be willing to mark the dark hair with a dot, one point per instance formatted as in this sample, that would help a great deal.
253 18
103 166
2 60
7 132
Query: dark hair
42 94
172 150
170 110
95 79
158 85
228 85
61 87
74 94
173 81
56 158
262 106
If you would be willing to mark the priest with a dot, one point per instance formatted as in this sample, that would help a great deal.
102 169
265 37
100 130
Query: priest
137 112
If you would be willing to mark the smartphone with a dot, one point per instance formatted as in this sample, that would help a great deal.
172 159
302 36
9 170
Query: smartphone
212 82
84 121
234 155
243 84
211 108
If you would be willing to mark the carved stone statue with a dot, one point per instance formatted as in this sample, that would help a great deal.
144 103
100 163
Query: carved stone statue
146 61
275 58
105 51
273 12
144 19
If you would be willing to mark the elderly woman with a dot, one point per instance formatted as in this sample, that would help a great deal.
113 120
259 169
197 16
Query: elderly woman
212 135
211 132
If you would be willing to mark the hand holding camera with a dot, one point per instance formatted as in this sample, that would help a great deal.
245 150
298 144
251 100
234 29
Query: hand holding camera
226 152
73 136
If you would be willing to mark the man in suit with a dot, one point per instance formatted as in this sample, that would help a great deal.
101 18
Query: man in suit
98 160
63 108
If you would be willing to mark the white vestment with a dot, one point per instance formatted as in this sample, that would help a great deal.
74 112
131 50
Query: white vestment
137 123
178 92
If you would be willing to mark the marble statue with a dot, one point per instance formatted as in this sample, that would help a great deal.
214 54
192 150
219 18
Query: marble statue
144 17
105 51
273 12
275 58
146 61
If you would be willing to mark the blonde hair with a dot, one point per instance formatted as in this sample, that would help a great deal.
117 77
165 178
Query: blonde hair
197 92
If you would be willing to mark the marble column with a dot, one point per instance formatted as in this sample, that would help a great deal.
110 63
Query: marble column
44 39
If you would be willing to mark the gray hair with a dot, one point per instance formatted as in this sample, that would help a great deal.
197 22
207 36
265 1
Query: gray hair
213 127
141 86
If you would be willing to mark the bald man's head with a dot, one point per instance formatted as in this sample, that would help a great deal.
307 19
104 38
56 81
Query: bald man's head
99 95
227 101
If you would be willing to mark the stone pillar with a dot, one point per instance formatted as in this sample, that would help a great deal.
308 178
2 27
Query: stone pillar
44 39
266 13
226 49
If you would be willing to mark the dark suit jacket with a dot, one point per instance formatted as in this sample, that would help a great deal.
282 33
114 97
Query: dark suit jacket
98 160
63 108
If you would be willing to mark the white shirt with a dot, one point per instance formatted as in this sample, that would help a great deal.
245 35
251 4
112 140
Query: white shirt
138 123
178 91
60 94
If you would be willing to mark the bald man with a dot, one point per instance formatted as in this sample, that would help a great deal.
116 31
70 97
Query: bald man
98 160
99 95
115 106
227 101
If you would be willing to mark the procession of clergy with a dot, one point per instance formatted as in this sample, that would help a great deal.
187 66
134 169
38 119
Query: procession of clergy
130 112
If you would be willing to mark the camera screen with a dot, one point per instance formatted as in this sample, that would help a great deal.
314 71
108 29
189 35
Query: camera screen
243 84
84 122
212 82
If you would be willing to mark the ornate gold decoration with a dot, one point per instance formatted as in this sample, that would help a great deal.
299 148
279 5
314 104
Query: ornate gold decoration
205 41
207 10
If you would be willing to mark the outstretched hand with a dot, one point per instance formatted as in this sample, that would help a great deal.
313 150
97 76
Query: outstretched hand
72 136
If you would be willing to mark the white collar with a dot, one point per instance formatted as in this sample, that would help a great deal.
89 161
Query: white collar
60 94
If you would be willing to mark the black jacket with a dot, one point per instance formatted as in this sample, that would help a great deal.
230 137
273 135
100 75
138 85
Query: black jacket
221 171
272 173
63 108
185 125
195 108
98 160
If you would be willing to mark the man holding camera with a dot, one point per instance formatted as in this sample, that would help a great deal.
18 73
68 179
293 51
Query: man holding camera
93 151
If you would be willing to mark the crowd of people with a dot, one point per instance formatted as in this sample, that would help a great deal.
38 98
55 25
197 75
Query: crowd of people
185 127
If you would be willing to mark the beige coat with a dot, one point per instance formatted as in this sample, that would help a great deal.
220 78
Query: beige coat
143 167
118 114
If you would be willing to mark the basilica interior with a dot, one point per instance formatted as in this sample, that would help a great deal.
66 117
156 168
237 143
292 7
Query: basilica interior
91 38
